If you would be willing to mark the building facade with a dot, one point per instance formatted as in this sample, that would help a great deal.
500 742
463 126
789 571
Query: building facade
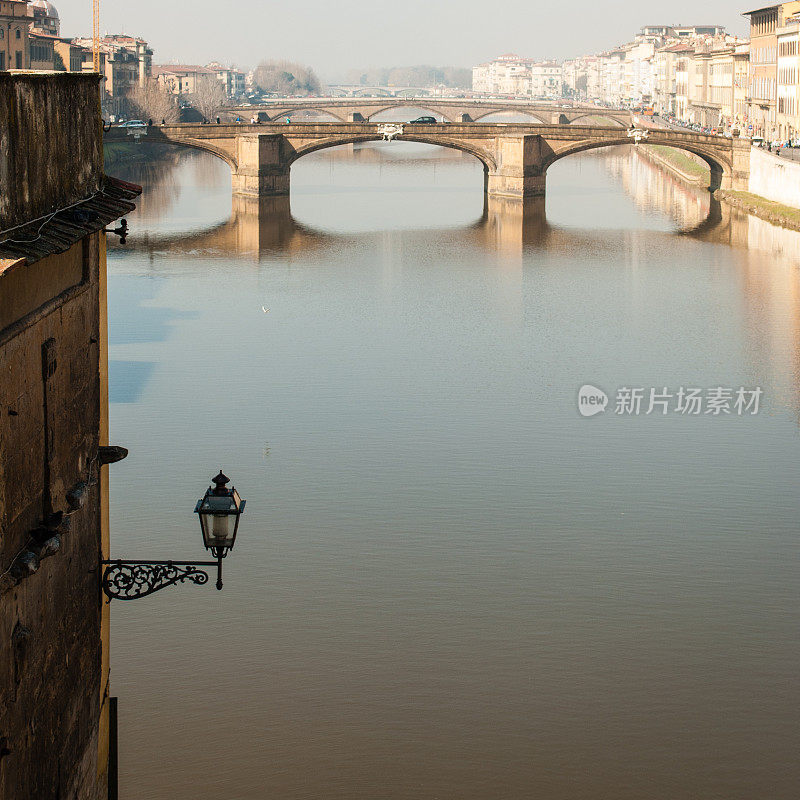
182 79
741 87
787 115
126 63
16 19
547 82
508 75
54 689
763 96
45 17
232 79
41 51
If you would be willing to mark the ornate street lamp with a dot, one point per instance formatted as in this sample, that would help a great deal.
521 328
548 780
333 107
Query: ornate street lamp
219 511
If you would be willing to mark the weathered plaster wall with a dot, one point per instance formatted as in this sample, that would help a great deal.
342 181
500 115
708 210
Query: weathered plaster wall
774 178
52 683
51 142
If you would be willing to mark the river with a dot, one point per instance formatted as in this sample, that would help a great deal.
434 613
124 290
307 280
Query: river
449 583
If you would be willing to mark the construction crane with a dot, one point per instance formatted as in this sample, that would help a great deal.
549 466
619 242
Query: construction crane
96 34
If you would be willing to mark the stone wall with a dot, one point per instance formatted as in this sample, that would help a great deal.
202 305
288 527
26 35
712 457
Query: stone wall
51 142
52 406
774 178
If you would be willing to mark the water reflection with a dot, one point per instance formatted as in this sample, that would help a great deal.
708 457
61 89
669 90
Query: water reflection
450 585
258 226
252 226
261 229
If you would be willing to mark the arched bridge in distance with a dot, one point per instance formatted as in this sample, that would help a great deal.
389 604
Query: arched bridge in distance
515 157
454 110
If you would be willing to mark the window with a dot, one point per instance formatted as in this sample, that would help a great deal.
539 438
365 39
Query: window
18 34
18 59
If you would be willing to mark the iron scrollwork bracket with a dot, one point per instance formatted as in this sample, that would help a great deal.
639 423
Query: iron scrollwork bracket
130 580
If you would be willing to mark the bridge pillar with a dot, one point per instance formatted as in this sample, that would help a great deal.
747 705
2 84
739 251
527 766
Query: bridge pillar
466 118
740 173
519 172
356 116
263 170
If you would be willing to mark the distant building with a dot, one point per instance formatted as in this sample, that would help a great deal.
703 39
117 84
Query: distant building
182 78
514 76
547 80
763 103
711 102
667 62
125 62
137 46
15 22
232 79
788 110
45 17
42 54
741 84
697 31
73 57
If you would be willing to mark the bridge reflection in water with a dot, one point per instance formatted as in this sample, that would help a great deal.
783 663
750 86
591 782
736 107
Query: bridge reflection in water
255 227
265 226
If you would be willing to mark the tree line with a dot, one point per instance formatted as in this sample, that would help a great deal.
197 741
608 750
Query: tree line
421 75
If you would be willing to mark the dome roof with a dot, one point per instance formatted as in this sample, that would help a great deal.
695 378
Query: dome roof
48 8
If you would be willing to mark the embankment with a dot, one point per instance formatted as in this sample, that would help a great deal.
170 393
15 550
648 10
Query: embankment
774 193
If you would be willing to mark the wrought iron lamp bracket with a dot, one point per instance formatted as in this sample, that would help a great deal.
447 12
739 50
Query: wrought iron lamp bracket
130 580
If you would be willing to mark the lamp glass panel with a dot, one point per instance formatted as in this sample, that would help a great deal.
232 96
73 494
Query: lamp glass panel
216 514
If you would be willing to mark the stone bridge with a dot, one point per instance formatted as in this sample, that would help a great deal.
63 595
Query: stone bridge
450 109
515 157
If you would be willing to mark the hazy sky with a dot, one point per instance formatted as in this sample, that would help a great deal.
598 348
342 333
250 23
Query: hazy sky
335 35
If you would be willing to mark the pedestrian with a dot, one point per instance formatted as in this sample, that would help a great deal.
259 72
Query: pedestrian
217 120
163 122
149 123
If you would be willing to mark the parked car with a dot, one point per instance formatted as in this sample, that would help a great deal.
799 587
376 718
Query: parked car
424 121
133 123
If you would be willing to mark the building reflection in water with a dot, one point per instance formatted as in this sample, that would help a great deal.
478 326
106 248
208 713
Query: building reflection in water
768 275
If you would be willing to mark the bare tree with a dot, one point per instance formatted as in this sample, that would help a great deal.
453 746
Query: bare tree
284 77
208 96
154 101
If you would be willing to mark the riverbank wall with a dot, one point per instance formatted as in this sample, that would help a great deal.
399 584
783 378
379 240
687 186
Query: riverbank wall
775 179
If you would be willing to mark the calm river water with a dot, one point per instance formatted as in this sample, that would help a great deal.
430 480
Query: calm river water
448 583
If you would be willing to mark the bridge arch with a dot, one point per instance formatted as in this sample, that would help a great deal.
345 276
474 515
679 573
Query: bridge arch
409 103
488 161
564 119
371 91
511 110
280 113
198 144
718 166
